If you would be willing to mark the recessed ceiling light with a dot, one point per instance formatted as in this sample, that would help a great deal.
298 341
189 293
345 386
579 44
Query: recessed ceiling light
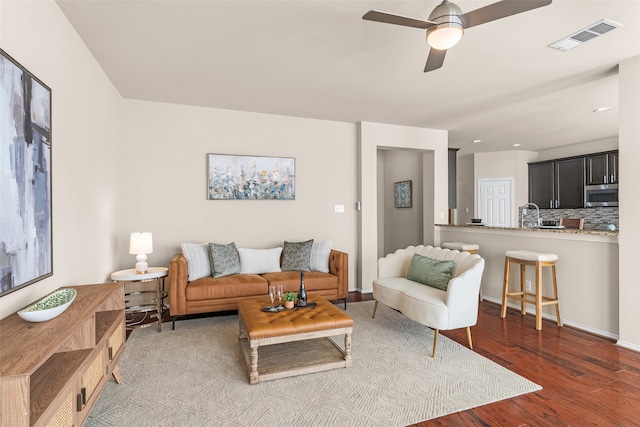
516 145
602 109
475 141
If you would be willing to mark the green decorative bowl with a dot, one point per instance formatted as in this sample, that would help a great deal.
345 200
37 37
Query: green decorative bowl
49 306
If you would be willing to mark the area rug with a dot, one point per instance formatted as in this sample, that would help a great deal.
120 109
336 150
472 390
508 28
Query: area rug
195 376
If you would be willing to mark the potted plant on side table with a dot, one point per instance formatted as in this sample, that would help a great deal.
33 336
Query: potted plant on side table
289 300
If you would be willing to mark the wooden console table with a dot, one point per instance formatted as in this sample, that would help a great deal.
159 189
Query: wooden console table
51 373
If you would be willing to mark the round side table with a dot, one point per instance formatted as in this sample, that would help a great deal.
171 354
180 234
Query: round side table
140 298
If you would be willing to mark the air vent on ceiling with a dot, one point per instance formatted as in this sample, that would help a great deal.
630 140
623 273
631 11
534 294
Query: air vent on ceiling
591 32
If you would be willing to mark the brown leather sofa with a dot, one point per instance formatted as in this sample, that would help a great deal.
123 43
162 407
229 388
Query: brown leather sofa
208 294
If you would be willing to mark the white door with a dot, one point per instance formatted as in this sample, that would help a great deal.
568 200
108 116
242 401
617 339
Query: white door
495 201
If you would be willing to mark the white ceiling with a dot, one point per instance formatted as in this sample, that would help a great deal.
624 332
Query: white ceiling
319 59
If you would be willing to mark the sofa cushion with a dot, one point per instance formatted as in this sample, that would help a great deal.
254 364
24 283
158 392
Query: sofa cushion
313 280
224 259
431 272
234 286
320 251
296 256
198 262
259 261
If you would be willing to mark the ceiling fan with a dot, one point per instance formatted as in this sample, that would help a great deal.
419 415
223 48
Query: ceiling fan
447 23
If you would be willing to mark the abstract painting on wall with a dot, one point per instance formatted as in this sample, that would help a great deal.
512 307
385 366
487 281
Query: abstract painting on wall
250 178
25 177
402 193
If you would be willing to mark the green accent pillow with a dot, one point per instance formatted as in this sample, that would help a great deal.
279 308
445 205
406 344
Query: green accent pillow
431 272
296 256
225 260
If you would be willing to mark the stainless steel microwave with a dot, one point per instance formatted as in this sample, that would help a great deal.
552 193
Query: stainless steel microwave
600 195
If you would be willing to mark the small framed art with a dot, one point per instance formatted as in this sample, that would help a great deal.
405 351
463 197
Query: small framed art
403 194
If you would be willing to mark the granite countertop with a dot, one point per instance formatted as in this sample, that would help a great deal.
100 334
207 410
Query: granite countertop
537 230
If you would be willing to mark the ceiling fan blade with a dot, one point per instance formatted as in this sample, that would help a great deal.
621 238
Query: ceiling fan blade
388 18
435 59
500 10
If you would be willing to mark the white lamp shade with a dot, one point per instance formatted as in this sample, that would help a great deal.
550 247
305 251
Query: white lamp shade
444 36
141 243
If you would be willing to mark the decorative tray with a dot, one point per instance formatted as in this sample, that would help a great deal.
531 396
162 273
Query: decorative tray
279 308
50 306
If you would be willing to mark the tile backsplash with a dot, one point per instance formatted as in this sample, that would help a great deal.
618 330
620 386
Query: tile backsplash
594 218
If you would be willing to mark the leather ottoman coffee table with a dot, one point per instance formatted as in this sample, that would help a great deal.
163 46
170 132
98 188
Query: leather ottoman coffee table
293 342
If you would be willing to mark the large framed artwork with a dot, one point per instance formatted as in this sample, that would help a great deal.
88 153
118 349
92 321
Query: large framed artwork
402 193
26 252
231 177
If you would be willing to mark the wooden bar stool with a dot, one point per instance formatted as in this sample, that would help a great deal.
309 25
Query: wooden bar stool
537 260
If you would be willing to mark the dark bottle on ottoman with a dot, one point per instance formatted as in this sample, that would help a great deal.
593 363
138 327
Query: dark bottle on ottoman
302 292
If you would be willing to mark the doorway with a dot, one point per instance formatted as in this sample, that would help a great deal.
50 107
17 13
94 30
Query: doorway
495 201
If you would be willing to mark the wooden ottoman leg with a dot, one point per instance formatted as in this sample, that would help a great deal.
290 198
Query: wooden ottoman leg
254 378
347 350
243 332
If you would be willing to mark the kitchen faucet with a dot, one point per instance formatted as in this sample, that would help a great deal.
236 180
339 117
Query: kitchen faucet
524 212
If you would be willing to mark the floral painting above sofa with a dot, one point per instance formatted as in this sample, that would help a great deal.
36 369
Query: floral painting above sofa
250 177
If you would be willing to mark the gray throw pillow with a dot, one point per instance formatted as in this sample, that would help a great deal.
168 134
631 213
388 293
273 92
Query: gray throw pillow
225 260
296 256
431 272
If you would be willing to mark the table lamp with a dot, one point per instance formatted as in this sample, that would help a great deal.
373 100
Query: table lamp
141 244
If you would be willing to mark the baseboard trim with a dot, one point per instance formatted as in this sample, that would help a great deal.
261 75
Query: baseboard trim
552 318
628 345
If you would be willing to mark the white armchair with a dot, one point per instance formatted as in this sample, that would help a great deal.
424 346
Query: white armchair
457 307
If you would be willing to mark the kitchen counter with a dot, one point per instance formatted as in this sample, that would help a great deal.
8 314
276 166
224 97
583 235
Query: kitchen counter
542 230
587 269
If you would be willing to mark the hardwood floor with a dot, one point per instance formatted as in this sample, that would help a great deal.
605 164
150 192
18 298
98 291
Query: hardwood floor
586 380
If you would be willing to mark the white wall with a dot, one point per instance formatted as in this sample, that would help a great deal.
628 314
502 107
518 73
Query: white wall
372 137
86 140
164 171
630 202
402 226
380 206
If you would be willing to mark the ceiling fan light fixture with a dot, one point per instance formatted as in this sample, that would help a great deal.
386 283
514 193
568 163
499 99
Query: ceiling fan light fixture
444 36
448 29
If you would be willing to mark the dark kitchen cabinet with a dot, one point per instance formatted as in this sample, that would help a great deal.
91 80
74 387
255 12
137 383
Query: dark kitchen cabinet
569 183
602 168
557 184
541 183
